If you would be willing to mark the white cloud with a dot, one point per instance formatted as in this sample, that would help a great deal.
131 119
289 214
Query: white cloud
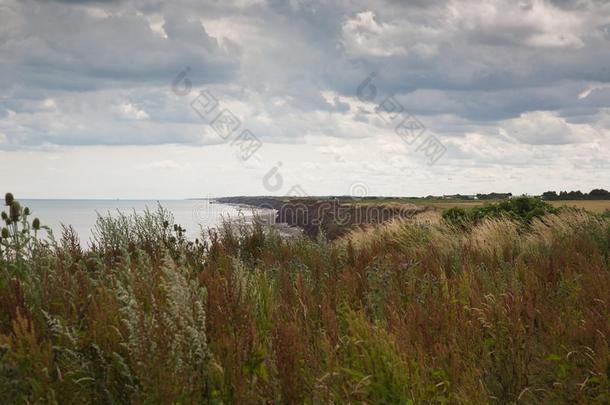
49 104
130 111
546 128
363 35
534 23
591 88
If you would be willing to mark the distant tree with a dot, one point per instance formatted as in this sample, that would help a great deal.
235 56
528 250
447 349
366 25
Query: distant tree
550 195
494 196
595 194
576 195
599 194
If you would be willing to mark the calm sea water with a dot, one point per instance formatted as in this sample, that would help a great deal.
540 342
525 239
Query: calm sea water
82 214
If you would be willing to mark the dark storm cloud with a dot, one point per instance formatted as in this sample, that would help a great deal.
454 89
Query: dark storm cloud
62 47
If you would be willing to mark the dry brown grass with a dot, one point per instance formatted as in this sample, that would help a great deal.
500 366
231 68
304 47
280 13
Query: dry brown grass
597 206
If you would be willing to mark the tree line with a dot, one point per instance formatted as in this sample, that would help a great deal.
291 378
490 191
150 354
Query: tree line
595 194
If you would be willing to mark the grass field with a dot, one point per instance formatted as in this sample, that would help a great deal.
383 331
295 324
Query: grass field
596 206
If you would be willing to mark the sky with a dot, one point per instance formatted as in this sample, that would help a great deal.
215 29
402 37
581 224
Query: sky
192 98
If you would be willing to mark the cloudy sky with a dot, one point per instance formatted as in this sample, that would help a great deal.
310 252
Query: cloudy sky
97 97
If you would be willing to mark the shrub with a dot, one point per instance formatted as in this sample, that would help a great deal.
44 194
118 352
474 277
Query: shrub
455 215
523 209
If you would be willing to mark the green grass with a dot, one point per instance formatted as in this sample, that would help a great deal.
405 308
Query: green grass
403 313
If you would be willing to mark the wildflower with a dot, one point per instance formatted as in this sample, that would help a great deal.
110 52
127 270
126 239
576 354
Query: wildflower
4 216
8 199
15 211
36 224
5 233
26 211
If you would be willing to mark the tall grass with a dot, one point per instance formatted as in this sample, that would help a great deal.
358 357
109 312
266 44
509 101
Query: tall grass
409 312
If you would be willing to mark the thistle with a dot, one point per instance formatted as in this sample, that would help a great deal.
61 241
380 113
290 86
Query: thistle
26 211
36 224
15 210
4 216
5 233
8 199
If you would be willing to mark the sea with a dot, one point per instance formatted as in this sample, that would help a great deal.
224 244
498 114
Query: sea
192 215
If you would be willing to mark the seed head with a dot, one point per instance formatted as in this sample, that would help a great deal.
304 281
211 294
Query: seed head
5 233
15 211
8 199
36 224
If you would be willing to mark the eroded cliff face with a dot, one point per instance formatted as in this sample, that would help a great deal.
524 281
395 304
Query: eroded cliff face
334 217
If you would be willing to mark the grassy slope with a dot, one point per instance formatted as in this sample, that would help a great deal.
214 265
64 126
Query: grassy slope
404 313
